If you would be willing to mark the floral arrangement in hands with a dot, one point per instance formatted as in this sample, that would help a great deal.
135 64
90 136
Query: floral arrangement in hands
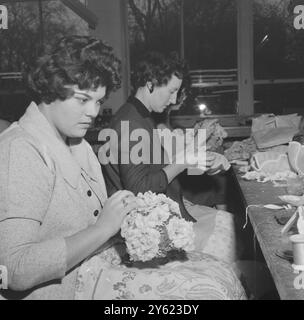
155 228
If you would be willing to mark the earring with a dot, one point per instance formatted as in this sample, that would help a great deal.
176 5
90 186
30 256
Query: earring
150 88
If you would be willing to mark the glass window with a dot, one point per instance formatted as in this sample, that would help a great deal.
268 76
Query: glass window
59 21
19 41
33 27
153 25
210 29
208 32
278 58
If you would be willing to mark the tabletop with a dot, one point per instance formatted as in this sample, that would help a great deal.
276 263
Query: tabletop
268 231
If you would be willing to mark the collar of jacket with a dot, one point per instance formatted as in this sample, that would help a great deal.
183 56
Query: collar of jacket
140 107
72 158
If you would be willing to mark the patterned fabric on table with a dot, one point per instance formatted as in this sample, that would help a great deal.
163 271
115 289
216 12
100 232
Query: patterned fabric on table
199 277
221 242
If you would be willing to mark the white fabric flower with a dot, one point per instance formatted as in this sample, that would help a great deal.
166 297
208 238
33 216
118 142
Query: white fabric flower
181 233
156 227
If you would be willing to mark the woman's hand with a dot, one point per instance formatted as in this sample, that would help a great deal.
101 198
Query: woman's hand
85 242
220 164
192 157
198 169
210 160
115 209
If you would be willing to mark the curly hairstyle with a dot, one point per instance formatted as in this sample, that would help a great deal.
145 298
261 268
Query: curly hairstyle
158 69
76 60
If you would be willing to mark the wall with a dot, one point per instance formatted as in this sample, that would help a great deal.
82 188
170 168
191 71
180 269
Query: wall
113 28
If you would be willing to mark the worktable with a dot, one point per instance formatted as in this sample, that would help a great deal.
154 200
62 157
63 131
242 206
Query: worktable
267 231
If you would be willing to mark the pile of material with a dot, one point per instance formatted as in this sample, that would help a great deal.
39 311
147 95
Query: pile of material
241 150
215 133
266 152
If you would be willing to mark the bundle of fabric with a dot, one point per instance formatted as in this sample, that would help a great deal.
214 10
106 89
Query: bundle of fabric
241 150
269 130
296 157
215 133
269 166
270 162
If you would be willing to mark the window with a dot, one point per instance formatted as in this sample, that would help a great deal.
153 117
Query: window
210 31
205 33
278 58
33 26
153 25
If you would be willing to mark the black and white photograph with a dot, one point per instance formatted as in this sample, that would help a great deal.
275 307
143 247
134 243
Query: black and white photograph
150 150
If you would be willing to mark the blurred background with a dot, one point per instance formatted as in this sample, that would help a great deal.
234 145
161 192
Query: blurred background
208 34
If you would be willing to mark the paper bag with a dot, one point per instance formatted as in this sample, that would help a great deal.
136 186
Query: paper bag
270 130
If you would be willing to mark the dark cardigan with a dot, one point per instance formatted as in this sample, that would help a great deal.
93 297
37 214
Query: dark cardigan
140 177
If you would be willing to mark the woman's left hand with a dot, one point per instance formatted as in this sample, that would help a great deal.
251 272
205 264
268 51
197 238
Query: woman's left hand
219 164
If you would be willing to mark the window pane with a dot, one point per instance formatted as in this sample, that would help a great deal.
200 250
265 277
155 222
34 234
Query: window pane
19 41
210 29
282 98
60 21
31 29
211 34
153 25
210 42
279 62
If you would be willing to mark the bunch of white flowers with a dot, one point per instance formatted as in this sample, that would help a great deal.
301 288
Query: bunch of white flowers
155 228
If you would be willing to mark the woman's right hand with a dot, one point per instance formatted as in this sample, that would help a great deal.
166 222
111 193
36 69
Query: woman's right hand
115 209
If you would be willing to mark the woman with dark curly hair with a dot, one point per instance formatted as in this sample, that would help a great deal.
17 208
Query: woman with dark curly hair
53 207
157 80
